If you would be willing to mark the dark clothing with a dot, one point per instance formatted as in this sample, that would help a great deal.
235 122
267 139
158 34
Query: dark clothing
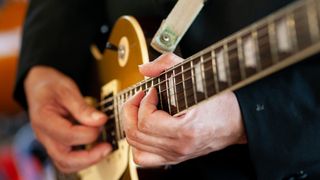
282 136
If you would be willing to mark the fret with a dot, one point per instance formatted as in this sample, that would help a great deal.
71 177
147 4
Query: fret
226 62
302 29
171 92
249 55
168 93
283 37
175 91
193 82
156 84
214 70
254 35
131 92
149 83
137 88
117 120
233 60
312 21
241 58
208 74
125 96
221 69
198 80
264 46
203 77
184 87
119 105
190 101
143 86
273 42
163 92
292 31
181 104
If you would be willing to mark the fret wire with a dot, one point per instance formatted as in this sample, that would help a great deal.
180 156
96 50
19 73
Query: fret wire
193 82
203 77
241 58
226 63
312 20
168 100
165 90
160 95
184 87
235 46
244 31
273 42
118 100
257 51
214 70
270 37
117 120
190 88
175 89
292 32
262 36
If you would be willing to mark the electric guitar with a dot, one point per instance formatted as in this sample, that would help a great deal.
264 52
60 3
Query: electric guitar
279 40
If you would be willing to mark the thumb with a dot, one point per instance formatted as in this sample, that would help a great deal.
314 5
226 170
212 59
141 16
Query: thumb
160 64
84 113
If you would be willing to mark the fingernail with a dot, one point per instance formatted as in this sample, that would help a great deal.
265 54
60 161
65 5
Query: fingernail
96 116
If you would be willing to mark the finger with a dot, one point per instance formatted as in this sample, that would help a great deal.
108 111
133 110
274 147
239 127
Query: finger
129 112
64 131
71 161
153 145
85 114
146 159
156 122
160 64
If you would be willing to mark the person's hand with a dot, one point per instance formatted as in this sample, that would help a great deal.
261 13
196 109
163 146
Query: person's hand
54 100
160 139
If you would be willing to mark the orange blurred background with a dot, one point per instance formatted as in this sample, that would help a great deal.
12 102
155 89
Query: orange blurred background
12 14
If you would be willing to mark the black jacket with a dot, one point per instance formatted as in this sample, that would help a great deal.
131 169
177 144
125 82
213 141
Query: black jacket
283 137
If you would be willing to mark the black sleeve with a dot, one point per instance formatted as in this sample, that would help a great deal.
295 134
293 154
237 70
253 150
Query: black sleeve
58 33
282 118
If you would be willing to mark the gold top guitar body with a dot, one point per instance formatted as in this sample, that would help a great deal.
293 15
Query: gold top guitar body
118 69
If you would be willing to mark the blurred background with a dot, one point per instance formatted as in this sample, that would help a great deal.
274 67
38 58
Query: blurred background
21 157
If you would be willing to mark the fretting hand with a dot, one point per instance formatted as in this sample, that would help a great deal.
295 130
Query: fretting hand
159 139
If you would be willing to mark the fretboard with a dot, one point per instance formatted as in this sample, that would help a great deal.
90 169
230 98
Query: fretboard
273 43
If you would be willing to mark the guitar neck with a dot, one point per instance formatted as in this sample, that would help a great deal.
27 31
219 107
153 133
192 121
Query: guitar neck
273 43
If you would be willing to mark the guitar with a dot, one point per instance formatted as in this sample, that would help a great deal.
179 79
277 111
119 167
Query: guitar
279 40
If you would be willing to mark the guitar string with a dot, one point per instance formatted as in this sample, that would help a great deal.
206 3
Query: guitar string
234 46
142 83
210 83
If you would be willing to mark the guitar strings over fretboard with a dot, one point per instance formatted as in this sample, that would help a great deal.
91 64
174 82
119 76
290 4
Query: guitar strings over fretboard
260 49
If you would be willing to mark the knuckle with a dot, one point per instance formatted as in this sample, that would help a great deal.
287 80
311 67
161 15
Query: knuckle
143 124
65 165
188 133
70 139
184 150
132 133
